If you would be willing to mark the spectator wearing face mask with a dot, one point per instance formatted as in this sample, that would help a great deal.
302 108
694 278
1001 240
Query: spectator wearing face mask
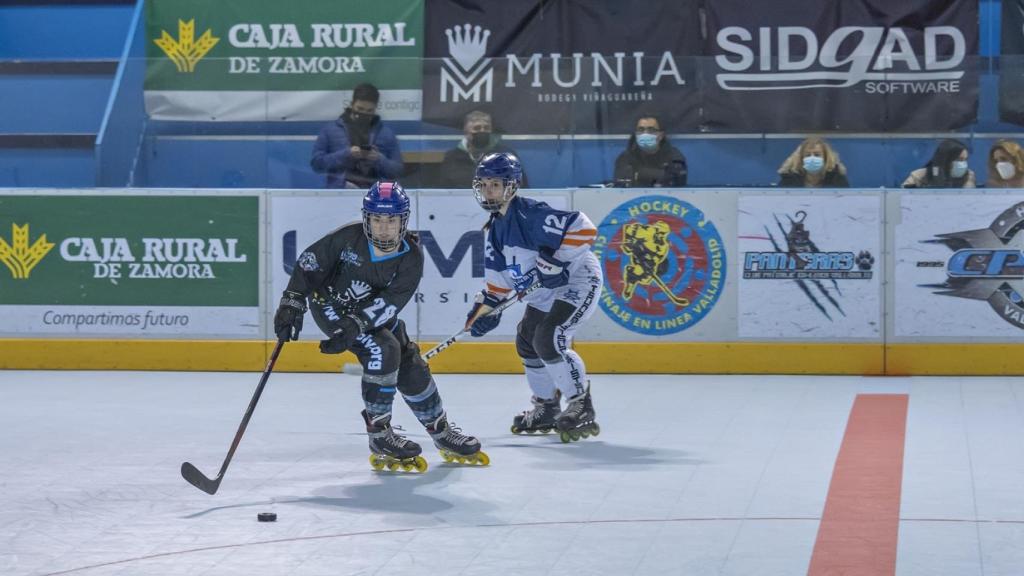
649 160
947 169
478 139
1005 165
814 164
357 149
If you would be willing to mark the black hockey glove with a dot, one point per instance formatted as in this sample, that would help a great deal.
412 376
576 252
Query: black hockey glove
478 326
288 319
345 332
553 273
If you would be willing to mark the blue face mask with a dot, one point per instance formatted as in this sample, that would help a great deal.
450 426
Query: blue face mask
647 141
813 164
958 168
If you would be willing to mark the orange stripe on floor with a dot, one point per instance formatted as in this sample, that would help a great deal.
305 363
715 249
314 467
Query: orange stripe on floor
860 524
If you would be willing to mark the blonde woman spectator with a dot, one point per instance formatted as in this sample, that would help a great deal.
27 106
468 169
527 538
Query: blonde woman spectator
947 169
1005 165
814 164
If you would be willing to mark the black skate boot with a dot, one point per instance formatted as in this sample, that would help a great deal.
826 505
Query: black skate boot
391 450
454 445
538 420
577 420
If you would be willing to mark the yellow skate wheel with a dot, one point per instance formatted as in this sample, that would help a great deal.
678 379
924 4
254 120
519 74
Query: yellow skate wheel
574 434
596 430
376 463
584 434
446 455
420 463
392 466
564 437
514 429
482 458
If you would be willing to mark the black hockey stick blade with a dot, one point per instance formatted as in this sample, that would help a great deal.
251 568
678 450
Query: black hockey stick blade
193 476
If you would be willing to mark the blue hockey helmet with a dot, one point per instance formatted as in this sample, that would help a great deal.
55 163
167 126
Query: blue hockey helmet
385 202
501 165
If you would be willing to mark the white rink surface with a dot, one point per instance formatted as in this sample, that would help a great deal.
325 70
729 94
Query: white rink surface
691 475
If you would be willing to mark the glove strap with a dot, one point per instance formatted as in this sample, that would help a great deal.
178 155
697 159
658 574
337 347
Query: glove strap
294 300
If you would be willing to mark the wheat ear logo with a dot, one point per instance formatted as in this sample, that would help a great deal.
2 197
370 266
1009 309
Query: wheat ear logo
186 51
18 256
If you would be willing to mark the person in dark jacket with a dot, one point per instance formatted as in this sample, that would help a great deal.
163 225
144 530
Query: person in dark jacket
947 169
357 149
649 159
478 140
814 164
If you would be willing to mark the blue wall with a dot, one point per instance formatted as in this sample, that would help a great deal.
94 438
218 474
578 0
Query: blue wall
54 32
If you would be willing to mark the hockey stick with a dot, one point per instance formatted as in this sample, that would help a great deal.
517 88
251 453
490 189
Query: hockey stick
192 474
505 304
357 370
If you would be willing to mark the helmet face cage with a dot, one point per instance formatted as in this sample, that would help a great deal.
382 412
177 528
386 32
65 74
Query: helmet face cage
497 165
385 199
385 244
510 186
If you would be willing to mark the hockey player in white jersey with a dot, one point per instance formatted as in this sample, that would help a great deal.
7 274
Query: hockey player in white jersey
528 241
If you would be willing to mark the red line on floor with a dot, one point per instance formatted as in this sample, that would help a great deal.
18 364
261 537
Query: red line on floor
860 524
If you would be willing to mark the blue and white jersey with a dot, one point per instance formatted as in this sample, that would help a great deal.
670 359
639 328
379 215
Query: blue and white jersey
527 228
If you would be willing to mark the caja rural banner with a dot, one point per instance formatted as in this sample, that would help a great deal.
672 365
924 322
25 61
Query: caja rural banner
959 268
564 65
665 256
449 224
809 266
259 60
130 265
861 65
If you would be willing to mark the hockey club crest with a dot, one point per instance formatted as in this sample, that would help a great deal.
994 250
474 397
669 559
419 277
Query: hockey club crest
986 264
356 291
664 265
816 272
349 257
307 261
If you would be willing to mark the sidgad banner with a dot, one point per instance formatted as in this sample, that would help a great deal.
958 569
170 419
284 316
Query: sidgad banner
850 65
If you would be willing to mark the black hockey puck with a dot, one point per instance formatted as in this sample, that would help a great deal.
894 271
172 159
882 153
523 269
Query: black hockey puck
266 517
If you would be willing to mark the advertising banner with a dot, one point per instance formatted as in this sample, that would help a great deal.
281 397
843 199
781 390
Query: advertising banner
959 267
449 225
258 60
810 266
562 66
130 265
665 257
866 65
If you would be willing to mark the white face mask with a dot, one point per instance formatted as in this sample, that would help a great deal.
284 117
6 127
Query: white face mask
1006 170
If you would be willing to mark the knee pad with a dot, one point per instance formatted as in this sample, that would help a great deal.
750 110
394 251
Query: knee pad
544 343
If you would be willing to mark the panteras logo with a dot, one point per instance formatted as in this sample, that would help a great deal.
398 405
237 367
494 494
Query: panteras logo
882 57
186 52
468 74
19 257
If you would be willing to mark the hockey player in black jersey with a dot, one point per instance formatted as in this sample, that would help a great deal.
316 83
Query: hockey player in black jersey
356 280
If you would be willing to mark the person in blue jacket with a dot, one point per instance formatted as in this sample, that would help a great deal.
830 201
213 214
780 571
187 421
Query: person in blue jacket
357 149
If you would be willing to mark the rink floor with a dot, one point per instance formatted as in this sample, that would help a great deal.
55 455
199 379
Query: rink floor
690 475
